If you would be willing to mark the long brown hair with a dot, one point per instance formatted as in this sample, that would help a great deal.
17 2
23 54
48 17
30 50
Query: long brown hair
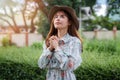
72 29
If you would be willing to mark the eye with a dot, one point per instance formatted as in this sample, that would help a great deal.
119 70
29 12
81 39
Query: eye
62 16
55 16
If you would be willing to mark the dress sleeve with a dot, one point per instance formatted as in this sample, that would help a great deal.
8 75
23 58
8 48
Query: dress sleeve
72 55
76 50
45 57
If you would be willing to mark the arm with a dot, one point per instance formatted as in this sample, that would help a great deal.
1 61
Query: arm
76 54
45 57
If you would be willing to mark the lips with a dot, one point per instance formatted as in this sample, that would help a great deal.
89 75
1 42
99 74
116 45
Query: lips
57 23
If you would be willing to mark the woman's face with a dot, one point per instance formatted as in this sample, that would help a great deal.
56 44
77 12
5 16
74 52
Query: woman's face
60 20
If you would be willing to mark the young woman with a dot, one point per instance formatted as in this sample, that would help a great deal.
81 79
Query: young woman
62 49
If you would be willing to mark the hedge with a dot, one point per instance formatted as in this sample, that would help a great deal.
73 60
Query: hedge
17 71
10 70
97 73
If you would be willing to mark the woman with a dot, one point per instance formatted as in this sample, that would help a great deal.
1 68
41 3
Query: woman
62 49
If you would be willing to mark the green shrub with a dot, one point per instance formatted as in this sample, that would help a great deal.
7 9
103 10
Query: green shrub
10 70
27 55
95 72
16 71
44 25
37 45
108 46
5 41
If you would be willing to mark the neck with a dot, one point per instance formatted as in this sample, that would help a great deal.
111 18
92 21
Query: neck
61 33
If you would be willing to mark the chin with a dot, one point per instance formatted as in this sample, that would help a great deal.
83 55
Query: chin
58 27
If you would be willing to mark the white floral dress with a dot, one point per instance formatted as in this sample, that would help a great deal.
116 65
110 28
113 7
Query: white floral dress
58 66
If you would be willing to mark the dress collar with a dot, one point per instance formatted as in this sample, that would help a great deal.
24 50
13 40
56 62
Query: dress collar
66 37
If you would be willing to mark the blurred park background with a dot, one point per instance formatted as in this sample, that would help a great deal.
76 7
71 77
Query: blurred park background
24 25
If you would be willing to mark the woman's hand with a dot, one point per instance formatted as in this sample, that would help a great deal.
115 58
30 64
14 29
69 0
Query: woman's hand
70 64
53 40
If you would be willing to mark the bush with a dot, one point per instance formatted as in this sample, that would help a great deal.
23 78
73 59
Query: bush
108 46
37 45
16 71
5 41
44 25
94 72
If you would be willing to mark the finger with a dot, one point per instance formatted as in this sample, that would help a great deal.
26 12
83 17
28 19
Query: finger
56 38
52 37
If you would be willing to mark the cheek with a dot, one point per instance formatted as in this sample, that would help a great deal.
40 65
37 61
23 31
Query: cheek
66 23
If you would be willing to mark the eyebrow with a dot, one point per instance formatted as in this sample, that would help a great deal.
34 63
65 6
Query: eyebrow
60 15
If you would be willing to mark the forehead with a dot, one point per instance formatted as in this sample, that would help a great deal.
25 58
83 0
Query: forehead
60 13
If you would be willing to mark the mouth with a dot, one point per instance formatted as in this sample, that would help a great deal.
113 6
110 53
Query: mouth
57 23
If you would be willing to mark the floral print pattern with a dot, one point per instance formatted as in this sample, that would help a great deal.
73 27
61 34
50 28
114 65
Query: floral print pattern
62 62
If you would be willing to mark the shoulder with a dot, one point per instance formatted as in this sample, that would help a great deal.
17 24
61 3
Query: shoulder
75 39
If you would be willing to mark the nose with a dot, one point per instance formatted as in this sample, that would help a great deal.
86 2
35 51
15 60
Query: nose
58 18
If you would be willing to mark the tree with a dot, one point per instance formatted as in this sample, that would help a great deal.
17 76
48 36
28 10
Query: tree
7 11
28 9
42 6
29 12
43 25
114 7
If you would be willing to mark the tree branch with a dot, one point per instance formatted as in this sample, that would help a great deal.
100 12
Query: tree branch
7 22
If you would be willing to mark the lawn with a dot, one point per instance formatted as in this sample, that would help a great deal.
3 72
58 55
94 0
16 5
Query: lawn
26 55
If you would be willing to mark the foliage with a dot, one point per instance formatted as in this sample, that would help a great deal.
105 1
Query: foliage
117 24
108 46
91 71
88 3
100 62
19 71
114 7
27 55
103 22
43 25
37 45
96 72
44 29
5 41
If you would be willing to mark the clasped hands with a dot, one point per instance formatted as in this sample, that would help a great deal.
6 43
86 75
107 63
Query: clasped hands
53 41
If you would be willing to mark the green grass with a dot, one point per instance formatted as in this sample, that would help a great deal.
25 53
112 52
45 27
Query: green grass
102 60
26 55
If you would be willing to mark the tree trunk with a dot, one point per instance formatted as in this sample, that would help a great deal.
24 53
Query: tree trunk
42 6
23 15
14 22
25 23
32 21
